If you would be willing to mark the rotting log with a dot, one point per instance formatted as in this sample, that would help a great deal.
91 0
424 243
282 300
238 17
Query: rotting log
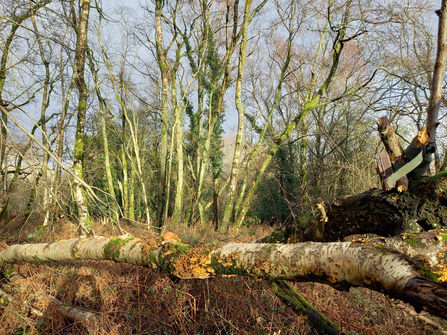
341 264
376 211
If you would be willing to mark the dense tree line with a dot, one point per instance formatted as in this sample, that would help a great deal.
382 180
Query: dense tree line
122 112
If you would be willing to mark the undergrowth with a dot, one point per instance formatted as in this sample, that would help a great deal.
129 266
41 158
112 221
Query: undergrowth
129 299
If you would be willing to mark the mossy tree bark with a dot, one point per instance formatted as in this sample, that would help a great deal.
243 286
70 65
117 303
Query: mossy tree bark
294 300
235 167
81 46
385 213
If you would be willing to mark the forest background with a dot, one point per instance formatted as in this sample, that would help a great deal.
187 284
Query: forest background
208 118
196 111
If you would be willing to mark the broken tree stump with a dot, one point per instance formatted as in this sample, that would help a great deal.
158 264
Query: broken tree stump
395 153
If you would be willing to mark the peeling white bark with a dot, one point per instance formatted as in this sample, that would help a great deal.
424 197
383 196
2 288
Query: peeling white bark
339 264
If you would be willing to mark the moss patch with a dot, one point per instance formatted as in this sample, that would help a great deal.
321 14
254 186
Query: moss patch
438 176
412 240
425 272
112 249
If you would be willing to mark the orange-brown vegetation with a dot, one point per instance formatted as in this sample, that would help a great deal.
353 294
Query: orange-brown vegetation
128 299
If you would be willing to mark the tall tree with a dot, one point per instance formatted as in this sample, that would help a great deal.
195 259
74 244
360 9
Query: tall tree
438 73
18 15
80 25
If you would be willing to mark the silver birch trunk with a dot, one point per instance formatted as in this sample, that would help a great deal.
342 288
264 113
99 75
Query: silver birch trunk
162 62
380 264
178 202
133 177
229 202
61 123
81 201
125 184
47 191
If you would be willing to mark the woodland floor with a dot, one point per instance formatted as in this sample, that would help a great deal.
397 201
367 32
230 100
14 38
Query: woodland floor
133 300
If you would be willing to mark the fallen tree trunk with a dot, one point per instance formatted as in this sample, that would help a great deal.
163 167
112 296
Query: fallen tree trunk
385 213
71 313
382 265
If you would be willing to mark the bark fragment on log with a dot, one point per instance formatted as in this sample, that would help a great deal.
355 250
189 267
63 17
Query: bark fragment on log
393 148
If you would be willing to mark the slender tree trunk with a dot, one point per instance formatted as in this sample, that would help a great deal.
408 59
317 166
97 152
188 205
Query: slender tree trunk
133 177
162 62
198 151
303 152
203 165
229 202
3 63
105 141
438 73
136 162
169 175
61 125
216 203
81 201
125 184
178 203
47 190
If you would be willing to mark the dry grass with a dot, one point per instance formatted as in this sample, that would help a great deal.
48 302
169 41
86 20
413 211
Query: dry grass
133 300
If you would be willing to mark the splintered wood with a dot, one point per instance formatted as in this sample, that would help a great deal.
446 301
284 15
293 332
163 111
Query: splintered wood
422 138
